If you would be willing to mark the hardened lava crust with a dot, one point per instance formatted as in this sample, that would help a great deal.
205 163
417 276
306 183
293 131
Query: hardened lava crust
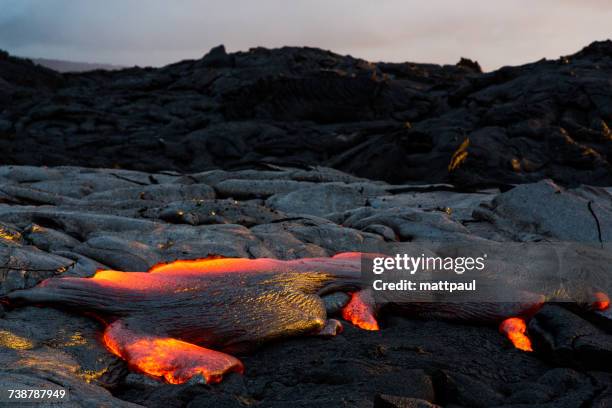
302 153
396 122
72 221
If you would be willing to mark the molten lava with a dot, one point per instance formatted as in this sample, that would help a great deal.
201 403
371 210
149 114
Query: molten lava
602 301
515 329
360 312
170 321
174 360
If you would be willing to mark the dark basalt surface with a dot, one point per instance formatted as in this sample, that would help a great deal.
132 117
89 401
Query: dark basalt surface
299 152
70 221
398 122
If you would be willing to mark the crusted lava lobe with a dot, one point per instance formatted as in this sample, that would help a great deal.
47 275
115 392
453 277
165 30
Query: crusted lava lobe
168 321
164 321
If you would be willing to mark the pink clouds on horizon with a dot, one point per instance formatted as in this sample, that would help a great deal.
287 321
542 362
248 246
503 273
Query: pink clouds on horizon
155 32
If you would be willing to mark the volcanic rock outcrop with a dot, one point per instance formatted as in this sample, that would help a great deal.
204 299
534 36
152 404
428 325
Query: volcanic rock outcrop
293 153
71 221
397 122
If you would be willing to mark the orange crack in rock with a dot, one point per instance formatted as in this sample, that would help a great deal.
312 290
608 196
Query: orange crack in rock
359 312
459 156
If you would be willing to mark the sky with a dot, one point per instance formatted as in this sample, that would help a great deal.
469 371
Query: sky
159 32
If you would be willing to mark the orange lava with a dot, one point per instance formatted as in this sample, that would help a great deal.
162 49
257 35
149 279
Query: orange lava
167 276
158 274
174 360
177 361
219 265
359 312
515 329
602 301
215 266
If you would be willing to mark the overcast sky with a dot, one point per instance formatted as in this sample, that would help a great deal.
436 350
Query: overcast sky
158 32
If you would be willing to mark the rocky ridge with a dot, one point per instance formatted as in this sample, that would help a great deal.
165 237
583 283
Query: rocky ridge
397 122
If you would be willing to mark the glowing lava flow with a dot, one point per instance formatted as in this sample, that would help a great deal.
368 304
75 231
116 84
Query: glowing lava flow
174 360
515 329
602 301
162 321
359 312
